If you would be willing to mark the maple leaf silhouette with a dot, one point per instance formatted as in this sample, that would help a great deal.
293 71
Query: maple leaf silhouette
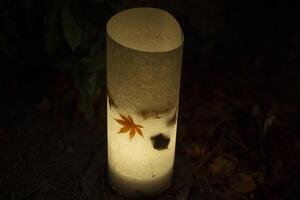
129 126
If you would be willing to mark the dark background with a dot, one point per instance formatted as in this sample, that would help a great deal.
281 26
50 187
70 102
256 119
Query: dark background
239 106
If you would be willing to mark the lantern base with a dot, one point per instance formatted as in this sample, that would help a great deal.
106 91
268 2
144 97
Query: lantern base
132 187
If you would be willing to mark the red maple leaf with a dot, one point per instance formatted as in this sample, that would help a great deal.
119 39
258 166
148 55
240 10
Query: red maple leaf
129 126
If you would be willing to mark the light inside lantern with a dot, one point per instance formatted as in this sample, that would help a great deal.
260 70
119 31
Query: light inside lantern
144 51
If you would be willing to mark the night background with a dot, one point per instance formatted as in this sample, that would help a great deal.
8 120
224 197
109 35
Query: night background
239 124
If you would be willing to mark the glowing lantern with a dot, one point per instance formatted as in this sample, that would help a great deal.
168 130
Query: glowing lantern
144 53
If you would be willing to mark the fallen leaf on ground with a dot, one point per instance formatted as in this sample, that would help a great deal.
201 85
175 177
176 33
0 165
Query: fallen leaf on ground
221 167
195 151
242 183
44 105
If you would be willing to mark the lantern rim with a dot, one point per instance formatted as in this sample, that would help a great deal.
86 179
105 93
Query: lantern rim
145 29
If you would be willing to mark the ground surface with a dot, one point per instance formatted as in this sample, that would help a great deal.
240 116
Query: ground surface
237 139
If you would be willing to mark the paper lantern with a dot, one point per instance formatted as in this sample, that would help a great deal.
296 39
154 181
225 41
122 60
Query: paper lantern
144 53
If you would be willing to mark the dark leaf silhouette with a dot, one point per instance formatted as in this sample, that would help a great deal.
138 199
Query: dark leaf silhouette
173 119
160 141
111 102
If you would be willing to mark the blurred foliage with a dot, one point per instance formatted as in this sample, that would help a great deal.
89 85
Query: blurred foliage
66 35
80 25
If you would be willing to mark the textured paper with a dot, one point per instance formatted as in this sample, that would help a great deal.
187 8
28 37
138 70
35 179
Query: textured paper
144 53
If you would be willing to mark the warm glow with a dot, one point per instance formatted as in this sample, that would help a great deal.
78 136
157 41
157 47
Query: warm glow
145 29
144 49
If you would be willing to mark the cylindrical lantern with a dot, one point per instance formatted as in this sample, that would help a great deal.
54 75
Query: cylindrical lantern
144 53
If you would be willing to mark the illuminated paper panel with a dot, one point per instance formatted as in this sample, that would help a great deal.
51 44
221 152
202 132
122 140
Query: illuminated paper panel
144 53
